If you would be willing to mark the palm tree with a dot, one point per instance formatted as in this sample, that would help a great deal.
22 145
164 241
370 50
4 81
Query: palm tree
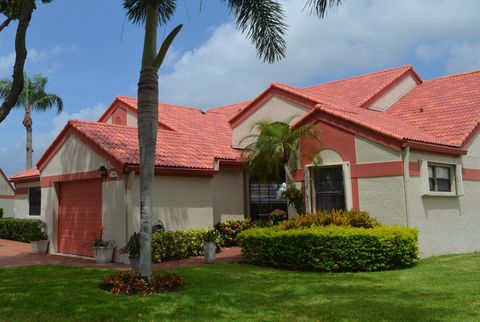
263 22
32 97
273 148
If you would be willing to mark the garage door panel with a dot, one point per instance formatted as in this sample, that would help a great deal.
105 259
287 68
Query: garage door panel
80 216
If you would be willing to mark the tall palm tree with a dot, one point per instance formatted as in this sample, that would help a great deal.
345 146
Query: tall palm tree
33 97
263 22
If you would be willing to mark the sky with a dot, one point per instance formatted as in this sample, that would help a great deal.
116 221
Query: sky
91 53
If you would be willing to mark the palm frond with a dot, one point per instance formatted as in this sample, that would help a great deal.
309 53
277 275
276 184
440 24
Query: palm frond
264 24
320 7
47 102
137 10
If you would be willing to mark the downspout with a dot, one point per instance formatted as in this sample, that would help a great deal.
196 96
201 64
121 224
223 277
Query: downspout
406 181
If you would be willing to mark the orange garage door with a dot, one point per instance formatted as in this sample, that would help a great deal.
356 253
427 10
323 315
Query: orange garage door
80 216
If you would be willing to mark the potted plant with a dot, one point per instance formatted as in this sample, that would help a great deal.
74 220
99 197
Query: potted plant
209 246
40 239
103 249
132 251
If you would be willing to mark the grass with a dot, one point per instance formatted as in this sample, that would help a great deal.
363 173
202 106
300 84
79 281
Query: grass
437 289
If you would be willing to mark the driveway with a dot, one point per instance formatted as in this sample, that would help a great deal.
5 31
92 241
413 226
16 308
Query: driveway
14 254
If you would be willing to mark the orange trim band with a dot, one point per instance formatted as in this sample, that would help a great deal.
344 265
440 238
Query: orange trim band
50 180
380 169
471 174
21 191
7 197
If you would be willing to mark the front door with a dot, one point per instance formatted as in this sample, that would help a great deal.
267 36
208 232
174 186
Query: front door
329 188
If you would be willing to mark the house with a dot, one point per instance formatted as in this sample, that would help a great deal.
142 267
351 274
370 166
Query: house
7 196
404 149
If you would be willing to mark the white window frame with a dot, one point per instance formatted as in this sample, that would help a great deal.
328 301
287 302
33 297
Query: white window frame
310 187
456 182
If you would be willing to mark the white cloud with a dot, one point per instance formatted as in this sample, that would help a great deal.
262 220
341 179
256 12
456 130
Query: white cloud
360 35
6 65
12 155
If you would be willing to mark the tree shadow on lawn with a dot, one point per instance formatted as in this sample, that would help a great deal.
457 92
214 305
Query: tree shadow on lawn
222 292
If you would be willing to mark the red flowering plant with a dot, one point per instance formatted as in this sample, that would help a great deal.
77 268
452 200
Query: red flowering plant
277 216
131 283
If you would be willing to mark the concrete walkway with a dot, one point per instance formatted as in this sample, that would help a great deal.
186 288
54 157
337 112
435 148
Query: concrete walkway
14 254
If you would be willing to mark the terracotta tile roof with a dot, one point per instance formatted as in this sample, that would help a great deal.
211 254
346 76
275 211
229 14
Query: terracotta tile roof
33 174
197 148
230 109
450 107
360 89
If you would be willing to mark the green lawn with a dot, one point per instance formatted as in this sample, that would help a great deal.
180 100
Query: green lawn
438 289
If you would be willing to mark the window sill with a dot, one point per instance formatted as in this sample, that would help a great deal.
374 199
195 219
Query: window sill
441 195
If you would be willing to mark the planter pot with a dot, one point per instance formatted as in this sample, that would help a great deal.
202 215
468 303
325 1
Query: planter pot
103 255
39 246
125 259
135 263
210 249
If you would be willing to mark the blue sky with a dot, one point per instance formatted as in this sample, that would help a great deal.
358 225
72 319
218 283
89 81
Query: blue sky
91 54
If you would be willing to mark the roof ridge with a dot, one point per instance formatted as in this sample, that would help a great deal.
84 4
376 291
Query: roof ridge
229 105
362 75
160 103
454 75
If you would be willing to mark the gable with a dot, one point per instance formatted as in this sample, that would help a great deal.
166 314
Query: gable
73 156
273 109
6 188
393 94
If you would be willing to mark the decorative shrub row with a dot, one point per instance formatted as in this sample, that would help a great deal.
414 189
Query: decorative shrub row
22 230
331 248
353 218
179 244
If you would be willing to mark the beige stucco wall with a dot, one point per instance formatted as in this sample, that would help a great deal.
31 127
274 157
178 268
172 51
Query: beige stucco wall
114 213
7 204
228 194
394 94
22 205
73 157
49 215
448 224
275 109
131 119
180 202
383 198
368 151
472 158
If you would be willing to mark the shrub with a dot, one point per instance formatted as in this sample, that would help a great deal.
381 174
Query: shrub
229 231
1 212
131 283
179 244
331 248
352 218
22 230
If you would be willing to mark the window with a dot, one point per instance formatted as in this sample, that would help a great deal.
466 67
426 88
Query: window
264 198
329 188
440 178
34 199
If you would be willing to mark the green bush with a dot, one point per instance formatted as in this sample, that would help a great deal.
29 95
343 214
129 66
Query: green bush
179 244
22 230
1 212
230 229
331 248
352 218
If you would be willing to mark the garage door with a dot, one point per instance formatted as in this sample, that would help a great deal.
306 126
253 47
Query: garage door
80 216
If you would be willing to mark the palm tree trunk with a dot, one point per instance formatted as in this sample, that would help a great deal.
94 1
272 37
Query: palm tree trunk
288 175
147 137
27 122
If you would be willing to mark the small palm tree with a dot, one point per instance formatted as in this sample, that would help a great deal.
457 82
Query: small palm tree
275 147
33 97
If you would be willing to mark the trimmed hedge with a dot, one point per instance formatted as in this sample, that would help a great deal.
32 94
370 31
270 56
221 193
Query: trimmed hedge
179 244
331 248
22 230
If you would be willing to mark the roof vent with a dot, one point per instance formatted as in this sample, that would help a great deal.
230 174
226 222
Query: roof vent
422 109
203 111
